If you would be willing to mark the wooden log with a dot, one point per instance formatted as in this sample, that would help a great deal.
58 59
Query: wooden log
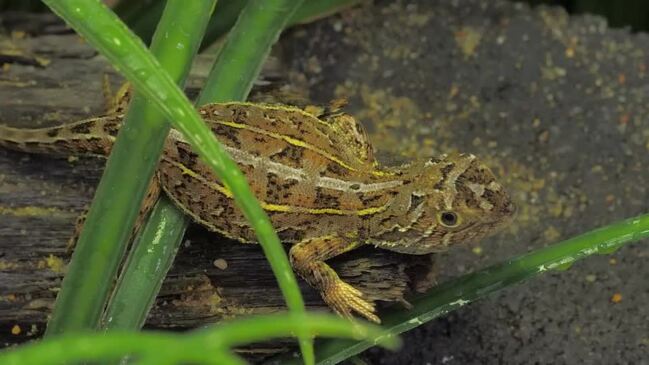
56 78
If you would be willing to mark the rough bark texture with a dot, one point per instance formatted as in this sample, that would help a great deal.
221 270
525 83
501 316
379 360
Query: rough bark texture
56 78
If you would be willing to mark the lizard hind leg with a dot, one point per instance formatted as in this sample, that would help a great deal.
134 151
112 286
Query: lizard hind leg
347 131
151 197
116 103
308 259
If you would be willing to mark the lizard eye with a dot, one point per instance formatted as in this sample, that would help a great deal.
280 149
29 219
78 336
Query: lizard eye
449 219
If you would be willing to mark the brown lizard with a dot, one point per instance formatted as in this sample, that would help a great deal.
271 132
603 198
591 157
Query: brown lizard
316 178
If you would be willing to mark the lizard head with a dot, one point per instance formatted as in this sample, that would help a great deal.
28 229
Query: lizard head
455 199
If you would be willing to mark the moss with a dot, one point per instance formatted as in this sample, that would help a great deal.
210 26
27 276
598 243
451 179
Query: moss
33 211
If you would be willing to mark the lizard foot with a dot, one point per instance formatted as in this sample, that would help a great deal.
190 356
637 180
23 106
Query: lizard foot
344 298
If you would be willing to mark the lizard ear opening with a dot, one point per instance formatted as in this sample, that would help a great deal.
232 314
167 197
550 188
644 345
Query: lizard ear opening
449 219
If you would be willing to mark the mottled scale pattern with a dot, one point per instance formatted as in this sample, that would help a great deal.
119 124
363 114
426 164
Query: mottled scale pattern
295 136
91 136
294 168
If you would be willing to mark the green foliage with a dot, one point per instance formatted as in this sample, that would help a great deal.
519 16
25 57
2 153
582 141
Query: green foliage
117 200
207 346
142 17
128 54
461 291
109 223
146 268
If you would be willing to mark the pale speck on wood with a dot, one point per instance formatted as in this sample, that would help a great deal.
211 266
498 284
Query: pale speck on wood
220 264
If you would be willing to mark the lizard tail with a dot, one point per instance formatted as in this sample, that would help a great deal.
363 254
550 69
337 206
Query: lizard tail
91 137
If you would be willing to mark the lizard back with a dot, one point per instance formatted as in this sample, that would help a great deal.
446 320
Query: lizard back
305 178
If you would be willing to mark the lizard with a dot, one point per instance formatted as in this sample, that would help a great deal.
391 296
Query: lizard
314 173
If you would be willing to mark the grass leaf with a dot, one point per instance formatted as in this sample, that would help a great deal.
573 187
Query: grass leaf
207 346
154 251
468 288
117 200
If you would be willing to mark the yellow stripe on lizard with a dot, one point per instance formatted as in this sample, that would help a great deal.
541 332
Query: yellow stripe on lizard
299 143
291 209
280 207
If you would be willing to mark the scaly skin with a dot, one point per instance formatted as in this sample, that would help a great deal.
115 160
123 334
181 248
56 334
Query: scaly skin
316 178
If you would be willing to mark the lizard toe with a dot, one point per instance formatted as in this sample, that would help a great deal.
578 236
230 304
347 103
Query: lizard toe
345 299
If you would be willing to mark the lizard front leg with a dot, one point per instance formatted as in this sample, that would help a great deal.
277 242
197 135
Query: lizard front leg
308 259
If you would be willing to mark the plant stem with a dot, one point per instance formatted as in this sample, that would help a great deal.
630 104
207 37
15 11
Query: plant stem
256 30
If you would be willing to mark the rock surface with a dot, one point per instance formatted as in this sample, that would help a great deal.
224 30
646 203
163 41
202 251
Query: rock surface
557 106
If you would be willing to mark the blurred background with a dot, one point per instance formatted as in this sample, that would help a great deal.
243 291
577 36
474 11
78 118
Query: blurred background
620 13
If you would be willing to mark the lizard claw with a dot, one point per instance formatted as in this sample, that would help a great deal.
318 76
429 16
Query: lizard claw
344 298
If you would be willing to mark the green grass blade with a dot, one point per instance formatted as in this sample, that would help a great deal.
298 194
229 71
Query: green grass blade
247 45
128 54
117 200
261 26
236 68
236 91
147 21
154 251
227 13
257 328
468 288
222 21
75 347
131 11
206 346
146 268
231 78
222 94
246 48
